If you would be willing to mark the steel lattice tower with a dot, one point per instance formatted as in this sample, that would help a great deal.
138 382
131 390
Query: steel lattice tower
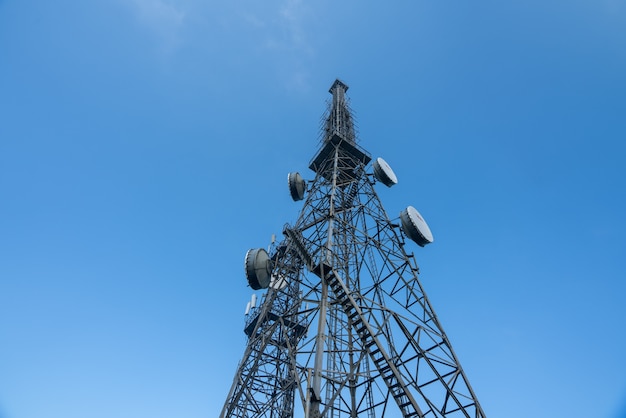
345 328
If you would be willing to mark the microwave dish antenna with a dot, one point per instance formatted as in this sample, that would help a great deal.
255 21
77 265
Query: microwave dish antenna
415 227
297 186
258 268
384 173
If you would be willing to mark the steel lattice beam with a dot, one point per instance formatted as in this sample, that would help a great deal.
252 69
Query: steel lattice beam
348 331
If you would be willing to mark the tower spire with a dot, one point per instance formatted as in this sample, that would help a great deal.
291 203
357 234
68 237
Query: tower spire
339 121
339 141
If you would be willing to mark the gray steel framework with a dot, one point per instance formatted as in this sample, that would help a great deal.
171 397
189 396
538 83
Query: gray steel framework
346 329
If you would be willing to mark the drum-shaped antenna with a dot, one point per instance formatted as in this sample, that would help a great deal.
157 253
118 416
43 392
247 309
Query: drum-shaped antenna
415 227
384 173
297 186
258 268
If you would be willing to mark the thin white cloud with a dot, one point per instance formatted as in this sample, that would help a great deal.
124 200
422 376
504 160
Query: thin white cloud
254 21
292 12
162 18
283 32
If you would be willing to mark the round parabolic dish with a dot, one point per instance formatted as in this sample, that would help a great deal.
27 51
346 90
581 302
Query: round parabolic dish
415 227
296 186
257 266
384 173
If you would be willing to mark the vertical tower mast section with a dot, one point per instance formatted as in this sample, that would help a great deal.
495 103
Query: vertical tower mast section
340 120
345 328
339 137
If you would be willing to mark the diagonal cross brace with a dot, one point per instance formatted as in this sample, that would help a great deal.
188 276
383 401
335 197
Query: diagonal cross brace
387 369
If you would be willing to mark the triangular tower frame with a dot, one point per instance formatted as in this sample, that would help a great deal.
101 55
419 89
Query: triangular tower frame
345 328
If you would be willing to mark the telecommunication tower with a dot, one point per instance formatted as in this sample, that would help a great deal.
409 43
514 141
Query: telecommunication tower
345 328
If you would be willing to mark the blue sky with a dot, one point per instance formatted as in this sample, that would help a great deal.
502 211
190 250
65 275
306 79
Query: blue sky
144 147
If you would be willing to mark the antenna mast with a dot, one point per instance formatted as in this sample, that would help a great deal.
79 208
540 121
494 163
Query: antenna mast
345 328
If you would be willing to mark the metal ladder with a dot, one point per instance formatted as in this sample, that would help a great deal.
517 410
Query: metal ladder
387 369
